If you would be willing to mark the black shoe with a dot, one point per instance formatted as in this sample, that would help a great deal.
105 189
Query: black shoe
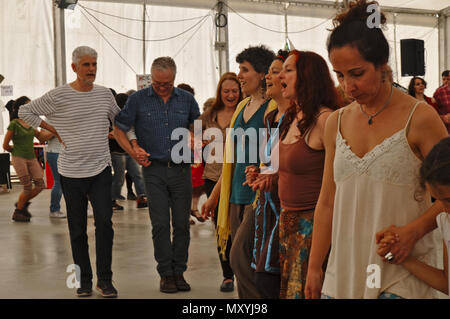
131 196
19 215
141 202
116 206
227 286
167 285
25 209
107 289
85 290
181 284
120 197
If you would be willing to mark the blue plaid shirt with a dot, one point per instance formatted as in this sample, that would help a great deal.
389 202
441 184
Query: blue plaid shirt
154 120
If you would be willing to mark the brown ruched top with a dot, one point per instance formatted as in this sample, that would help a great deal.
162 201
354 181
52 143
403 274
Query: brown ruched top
300 175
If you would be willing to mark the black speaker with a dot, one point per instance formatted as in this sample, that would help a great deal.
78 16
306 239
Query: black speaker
412 55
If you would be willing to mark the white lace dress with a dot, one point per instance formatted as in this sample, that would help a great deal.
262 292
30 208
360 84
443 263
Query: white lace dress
374 192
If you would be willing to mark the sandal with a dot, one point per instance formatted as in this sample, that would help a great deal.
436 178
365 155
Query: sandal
197 215
191 221
227 285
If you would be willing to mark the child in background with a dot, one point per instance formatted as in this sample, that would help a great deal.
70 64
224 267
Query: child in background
435 176
24 160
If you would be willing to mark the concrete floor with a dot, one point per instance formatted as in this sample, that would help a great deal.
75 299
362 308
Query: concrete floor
34 256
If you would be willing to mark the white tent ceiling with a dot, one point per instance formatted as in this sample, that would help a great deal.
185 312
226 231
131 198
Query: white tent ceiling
436 5
30 32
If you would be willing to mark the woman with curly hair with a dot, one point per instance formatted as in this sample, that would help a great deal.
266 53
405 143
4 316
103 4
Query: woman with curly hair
236 216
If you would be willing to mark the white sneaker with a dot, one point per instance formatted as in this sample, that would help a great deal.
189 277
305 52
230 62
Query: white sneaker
58 214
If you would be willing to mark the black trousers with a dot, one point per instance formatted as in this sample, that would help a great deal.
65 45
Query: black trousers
76 192
169 193
226 268
268 285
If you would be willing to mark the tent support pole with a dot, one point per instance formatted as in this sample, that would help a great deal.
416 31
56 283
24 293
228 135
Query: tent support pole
221 44
59 46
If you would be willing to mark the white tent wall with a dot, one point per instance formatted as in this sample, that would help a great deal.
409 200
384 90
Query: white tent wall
112 71
193 51
117 70
27 59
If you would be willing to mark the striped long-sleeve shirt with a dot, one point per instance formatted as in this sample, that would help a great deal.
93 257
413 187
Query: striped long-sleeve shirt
82 121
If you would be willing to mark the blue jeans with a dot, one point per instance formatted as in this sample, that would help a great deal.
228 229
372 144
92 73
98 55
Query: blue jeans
120 162
169 190
55 197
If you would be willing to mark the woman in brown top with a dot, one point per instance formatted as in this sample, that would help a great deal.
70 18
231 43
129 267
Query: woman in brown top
306 81
218 116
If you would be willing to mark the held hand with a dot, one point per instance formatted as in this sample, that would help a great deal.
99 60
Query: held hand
385 245
8 148
141 156
208 208
313 286
59 138
265 182
405 241
251 173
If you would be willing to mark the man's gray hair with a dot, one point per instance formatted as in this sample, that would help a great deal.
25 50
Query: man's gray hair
82 51
165 63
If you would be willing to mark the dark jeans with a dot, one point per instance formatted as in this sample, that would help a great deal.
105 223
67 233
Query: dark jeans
56 194
226 268
76 192
169 189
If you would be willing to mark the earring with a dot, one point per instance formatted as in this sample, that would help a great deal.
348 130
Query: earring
383 76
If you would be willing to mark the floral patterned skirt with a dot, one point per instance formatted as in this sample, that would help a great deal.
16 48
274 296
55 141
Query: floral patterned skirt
295 244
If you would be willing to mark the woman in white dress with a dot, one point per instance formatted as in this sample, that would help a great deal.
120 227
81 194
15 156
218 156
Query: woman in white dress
374 148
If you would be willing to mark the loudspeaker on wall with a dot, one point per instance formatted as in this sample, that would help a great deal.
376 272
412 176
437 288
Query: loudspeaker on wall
412 55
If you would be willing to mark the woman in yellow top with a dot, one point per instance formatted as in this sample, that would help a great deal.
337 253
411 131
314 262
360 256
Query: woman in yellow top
236 215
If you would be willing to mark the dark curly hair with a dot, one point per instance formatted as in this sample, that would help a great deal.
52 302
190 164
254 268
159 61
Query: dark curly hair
17 104
411 89
260 57
351 28
435 168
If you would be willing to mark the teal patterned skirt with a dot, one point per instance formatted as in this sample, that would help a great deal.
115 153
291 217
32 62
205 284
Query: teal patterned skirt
295 244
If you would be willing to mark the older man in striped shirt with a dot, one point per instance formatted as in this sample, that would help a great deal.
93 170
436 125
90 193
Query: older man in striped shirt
80 113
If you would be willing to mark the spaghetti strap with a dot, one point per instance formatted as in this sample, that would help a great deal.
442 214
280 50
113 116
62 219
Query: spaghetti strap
410 116
310 129
323 112
339 119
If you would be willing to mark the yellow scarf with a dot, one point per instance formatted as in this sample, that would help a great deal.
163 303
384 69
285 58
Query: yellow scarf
223 218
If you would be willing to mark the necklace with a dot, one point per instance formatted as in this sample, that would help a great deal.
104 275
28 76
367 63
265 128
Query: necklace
370 117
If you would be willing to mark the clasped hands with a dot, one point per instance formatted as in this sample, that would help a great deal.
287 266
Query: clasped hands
141 156
260 179
398 241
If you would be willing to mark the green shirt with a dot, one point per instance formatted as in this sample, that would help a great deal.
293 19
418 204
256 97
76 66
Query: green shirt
22 140
243 194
